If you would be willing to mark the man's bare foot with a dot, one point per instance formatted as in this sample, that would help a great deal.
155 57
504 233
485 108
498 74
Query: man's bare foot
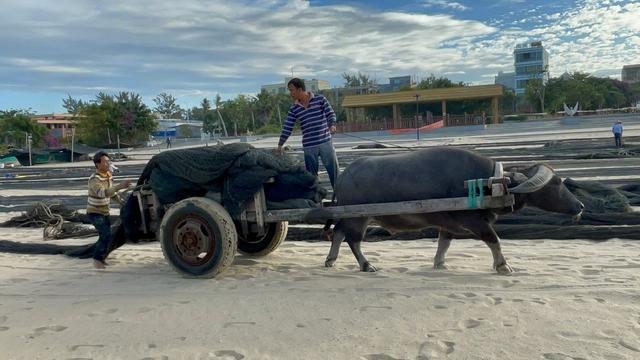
99 264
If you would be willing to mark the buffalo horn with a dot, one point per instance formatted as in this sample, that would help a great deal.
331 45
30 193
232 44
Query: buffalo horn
542 176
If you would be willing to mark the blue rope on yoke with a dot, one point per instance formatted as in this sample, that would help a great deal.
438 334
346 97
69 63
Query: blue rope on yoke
475 194
471 194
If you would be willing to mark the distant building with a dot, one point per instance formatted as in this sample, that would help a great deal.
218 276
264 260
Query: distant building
274 88
60 125
631 73
531 61
506 79
171 128
396 83
313 85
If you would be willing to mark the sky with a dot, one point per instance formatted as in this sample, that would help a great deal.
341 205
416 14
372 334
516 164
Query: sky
194 49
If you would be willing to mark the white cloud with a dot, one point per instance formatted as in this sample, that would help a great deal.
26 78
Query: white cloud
194 47
46 66
445 4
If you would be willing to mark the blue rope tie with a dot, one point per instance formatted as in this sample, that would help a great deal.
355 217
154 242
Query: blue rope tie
475 194
471 194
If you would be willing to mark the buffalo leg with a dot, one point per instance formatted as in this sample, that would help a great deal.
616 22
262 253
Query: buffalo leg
365 265
444 240
352 230
486 233
354 234
336 241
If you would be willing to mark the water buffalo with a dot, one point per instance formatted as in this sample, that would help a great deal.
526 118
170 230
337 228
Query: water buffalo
440 173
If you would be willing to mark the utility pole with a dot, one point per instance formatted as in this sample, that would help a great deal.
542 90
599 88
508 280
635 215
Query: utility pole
73 135
417 127
29 144
279 116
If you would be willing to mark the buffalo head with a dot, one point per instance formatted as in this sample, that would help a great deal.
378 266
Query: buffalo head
540 187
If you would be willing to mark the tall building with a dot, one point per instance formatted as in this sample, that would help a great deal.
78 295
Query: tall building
506 79
313 85
631 73
531 61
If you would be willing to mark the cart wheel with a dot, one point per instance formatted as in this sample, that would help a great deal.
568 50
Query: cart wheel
262 245
198 237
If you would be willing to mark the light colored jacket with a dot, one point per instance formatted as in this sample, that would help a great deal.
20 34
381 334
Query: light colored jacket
101 191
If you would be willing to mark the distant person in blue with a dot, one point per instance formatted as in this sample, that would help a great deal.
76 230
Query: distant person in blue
317 122
616 129
168 143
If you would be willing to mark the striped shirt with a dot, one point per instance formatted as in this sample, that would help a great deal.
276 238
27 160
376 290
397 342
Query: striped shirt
315 121
101 191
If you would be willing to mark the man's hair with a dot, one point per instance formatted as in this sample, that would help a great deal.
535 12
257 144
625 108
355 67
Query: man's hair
297 83
98 157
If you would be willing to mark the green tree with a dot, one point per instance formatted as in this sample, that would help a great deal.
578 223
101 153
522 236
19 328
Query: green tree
72 105
92 126
536 88
210 122
431 82
109 118
136 121
589 91
167 106
16 124
357 80
238 113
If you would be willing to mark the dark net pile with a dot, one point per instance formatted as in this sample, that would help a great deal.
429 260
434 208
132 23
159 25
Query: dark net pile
175 175
236 171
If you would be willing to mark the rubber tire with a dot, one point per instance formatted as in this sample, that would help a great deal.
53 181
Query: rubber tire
276 233
218 223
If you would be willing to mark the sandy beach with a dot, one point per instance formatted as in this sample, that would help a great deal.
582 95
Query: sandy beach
568 299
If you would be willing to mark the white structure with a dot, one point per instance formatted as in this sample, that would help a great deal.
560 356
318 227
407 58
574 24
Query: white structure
506 79
631 73
531 61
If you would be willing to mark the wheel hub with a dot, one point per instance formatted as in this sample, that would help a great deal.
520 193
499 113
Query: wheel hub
193 240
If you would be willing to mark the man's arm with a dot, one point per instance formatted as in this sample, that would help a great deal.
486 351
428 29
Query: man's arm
116 196
97 190
330 115
328 112
287 128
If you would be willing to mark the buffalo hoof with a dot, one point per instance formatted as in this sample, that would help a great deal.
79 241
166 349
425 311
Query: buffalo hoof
504 269
366 267
441 266
329 262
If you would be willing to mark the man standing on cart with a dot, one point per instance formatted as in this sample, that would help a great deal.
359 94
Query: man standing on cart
317 122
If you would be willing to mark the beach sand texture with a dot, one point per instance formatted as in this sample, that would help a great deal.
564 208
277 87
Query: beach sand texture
568 299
